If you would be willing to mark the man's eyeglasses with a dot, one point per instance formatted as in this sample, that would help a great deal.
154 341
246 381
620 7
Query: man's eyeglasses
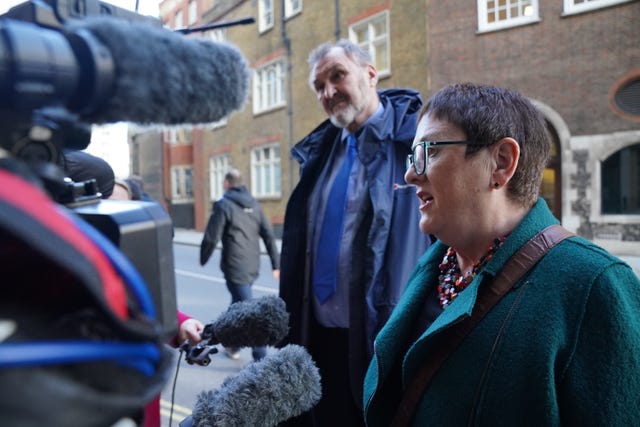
419 159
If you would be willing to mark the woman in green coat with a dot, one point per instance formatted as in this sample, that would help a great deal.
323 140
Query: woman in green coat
562 347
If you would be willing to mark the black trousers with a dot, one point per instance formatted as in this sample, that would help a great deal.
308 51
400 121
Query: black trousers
329 348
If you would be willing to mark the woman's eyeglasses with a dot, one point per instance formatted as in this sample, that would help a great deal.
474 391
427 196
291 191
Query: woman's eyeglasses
419 159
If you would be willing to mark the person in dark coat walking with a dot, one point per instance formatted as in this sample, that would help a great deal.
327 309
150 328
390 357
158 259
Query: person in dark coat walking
238 221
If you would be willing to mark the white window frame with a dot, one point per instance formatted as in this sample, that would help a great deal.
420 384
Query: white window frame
218 35
181 183
484 25
373 41
269 86
219 165
193 11
292 8
178 136
570 7
265 15
171 136
266 171
220 123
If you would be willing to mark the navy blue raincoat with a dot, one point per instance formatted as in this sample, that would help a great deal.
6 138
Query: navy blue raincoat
388 242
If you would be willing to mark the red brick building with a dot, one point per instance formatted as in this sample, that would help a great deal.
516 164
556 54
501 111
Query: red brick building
577 60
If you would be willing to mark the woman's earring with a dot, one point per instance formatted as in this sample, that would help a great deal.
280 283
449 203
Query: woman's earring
496 185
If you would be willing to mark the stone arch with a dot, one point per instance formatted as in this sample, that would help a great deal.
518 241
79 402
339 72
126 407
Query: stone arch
561 138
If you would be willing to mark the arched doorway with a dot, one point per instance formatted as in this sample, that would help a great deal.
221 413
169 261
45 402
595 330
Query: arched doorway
551 187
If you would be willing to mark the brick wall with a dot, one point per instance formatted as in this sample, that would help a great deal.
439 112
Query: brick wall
570 63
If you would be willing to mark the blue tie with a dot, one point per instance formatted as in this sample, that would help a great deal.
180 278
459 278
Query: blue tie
326 262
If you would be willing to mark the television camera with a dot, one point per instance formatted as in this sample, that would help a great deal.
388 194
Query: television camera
50 78
88 284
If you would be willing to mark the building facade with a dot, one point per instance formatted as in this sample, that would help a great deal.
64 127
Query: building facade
577 60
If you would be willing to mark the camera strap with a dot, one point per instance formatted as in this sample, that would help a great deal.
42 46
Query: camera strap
50 232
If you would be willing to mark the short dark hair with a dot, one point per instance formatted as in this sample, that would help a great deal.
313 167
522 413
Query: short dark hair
487 114
233 177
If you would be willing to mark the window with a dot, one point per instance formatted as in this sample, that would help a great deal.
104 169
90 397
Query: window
179 22
181 183
171 136
372 35
626 97
578 6
218 167
193 12
620 176
265 15
498 14
292 7
218 35
215 125
176 136
268 87
265 171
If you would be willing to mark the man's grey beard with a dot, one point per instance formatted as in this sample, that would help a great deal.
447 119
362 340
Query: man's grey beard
345 117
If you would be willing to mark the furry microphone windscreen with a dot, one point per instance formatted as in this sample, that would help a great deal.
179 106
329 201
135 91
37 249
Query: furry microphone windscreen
253 323
281 386
163 77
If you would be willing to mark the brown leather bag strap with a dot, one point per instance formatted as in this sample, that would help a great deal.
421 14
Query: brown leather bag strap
488 296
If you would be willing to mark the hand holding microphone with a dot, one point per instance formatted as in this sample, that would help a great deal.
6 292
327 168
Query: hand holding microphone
252 323
280 386
191 330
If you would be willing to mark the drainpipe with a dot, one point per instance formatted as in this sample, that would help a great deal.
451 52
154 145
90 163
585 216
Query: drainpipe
337 16
286 41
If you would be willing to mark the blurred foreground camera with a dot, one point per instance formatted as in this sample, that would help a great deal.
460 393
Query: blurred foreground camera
89 284
49 77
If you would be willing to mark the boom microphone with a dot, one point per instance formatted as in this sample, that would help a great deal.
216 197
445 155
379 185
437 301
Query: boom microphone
252 323
108 70
280 386
164 77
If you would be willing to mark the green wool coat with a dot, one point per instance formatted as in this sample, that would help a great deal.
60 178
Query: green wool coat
561 348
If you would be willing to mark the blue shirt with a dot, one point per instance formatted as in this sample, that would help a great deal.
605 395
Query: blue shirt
335 311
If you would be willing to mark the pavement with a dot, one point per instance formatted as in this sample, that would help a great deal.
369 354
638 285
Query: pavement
185 236
192 237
